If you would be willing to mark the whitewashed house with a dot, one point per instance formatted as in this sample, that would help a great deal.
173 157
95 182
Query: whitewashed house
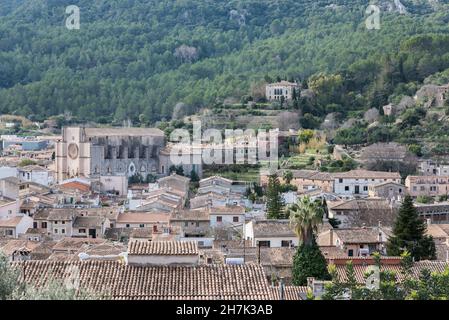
15 226
9 187
357 182
281 90
271 233
6 172
153 220
227 217
8 208
90 227
36 174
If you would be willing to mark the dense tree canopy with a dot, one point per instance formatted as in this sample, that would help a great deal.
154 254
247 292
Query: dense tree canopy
138 59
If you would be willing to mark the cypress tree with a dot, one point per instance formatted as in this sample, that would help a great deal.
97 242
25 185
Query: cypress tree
194 176
294 97
275 202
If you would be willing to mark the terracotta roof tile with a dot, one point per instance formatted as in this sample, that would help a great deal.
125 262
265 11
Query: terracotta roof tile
146 217
362 204
358 235
10 223
141 233
272 228
60 214
367 174
227 210
432 266
196 215
174 177
88 222
74 244
125 282
290 292
163 248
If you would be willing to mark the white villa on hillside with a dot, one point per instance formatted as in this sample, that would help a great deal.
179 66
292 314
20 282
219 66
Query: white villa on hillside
275 91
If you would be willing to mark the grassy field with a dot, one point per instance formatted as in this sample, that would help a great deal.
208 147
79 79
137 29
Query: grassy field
302 159
252 175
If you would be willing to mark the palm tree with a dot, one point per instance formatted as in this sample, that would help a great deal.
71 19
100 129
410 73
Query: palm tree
305 216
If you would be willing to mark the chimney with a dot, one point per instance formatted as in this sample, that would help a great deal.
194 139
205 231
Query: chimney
281 289
331 237
310 283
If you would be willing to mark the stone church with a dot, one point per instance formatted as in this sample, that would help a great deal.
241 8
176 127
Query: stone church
99 152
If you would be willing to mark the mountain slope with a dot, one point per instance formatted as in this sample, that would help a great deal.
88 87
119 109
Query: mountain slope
142 57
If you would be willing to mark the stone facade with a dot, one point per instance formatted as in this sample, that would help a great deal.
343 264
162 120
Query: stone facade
427 185
434 212
387 190
429 167
357 182
432 95
275 91
97 152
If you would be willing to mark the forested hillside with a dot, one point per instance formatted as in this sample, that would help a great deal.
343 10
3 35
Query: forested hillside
137 59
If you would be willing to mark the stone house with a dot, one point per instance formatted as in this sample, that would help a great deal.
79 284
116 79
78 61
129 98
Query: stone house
427 185
281 90
193 223
355 242
387 190
270 233
357 182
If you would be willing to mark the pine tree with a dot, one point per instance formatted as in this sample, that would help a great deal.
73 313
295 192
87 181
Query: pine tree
409 234
275 202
